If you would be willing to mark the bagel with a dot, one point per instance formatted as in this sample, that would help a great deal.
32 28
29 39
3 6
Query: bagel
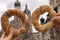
7 27
36 14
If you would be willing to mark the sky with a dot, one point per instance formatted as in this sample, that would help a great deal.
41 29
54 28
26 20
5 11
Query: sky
32 5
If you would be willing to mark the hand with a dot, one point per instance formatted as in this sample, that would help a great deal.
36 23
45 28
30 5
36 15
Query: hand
3 37
56 20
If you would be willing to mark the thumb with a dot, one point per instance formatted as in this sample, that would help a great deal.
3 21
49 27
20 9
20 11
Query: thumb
10 35
3 35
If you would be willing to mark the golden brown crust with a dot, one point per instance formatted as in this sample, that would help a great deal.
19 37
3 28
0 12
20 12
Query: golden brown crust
7 26
37 13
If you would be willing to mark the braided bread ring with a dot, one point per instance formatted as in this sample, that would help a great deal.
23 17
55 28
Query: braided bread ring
37 13
7 26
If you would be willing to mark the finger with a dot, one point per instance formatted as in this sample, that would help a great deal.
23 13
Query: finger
55 18
10 35
58 14
3 35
